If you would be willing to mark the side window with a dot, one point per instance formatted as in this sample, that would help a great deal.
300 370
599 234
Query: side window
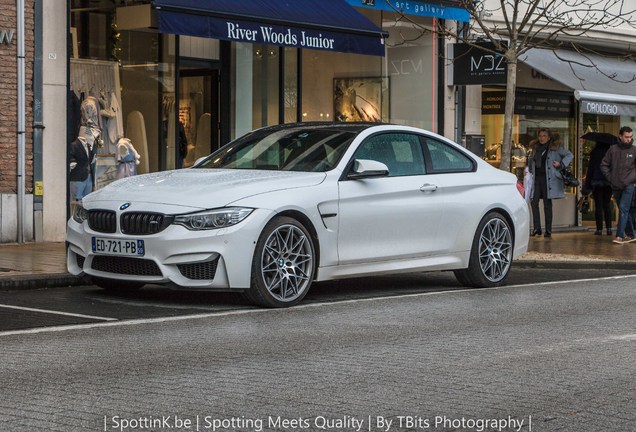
441 157
400 152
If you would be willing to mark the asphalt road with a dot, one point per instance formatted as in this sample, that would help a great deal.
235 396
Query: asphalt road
553 351
29 309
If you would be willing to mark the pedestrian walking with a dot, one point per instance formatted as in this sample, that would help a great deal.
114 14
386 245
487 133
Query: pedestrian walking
546 159
599 187
619 168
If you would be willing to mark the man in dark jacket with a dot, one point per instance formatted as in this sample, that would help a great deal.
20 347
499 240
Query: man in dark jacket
597 184
619 168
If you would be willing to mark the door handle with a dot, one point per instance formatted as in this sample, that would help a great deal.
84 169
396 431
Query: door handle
428 187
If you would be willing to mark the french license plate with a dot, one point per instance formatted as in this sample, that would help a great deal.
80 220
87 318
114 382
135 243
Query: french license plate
118 247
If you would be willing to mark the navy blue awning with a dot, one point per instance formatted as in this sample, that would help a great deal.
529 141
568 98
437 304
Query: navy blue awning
330 25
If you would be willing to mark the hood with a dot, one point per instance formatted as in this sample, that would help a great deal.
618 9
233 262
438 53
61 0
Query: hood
201 188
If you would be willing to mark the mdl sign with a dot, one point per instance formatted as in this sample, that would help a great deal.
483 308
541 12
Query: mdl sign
472 65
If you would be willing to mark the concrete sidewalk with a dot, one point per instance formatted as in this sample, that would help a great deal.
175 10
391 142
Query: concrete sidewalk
43 265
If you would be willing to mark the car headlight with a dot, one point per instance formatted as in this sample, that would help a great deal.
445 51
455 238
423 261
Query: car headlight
213 219
79 213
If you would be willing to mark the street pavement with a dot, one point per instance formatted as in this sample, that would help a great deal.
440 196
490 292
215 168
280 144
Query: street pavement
540 357
43 265
553 349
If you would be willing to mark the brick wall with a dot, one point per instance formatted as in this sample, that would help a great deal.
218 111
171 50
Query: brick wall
9 97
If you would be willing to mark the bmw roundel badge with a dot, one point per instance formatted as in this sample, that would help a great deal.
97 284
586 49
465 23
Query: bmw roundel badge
124 206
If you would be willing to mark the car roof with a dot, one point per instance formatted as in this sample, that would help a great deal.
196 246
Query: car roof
343 126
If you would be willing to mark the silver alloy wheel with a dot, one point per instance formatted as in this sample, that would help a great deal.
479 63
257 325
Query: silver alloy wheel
495 250
287 263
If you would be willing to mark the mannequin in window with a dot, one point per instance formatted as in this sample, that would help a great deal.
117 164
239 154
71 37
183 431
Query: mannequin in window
127 158
82 158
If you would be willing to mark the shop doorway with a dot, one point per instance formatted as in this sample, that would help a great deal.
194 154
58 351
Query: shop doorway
198 113
596 123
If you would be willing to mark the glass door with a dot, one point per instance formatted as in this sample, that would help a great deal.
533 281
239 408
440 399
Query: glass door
197 132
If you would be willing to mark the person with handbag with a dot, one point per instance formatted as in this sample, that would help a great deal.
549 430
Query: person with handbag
546 160
619 168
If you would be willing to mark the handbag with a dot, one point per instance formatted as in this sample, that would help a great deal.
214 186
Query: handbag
568 177
528 185
583 204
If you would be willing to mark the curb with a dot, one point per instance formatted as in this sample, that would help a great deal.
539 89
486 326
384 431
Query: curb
35 281
59 280
596 264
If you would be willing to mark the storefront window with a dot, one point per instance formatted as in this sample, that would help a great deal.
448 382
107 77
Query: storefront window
411 65
131 72
342 87
290 96
148 96
398 88
255 97
162 107
534 110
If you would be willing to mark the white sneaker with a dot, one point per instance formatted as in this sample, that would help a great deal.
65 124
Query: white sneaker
618 240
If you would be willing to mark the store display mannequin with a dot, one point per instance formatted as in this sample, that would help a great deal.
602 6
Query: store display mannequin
202 144
127 158
111 118
136 131
82 158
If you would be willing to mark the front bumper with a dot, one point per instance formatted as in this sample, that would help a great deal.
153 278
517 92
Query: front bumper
209 259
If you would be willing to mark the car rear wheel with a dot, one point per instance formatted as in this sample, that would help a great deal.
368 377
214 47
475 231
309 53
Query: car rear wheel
116 286
490 255
283 264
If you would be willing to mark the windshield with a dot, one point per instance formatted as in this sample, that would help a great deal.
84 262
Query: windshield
298 149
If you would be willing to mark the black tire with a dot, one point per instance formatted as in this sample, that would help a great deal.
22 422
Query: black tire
283 264
115 285
490 254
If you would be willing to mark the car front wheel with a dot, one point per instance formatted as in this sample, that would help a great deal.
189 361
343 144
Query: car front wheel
490 255
283 264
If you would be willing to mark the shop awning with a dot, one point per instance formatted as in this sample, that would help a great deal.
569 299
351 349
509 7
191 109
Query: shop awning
604 85
330 25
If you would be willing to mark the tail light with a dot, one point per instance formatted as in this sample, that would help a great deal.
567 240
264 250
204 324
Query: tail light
521 189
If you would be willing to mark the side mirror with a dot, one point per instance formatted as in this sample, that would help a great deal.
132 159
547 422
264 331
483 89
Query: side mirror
366 168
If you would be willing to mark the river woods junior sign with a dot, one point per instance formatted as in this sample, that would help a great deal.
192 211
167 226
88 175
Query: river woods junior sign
271 36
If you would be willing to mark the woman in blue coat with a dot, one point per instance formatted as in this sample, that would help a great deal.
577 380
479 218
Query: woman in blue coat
546 159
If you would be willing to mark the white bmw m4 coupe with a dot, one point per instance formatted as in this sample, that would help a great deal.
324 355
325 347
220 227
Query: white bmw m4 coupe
284 206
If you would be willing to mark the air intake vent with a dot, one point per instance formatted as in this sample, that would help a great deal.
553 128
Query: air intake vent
125 266
80 260
104 221
199 271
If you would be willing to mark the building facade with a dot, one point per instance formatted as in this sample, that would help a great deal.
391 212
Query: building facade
179 92
571 92
16 118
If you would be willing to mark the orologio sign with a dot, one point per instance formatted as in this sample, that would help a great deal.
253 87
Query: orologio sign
609 108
